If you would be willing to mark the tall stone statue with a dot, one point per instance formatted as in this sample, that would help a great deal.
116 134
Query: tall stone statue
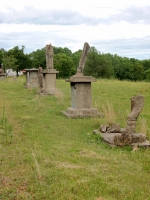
82 61
49 57
137 103
40 77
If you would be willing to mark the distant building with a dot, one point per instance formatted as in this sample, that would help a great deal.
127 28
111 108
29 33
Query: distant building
10 72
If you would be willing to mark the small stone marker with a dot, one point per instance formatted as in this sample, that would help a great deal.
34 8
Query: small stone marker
116 136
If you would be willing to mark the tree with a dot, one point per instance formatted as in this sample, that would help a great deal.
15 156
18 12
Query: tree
107 70
64 50
23 60
64 64
76 57
10 62
138 71
147 75
1 57
99 65
116 63
92 66
38 58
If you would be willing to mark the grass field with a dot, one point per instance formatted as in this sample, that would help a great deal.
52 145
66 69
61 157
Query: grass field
46 156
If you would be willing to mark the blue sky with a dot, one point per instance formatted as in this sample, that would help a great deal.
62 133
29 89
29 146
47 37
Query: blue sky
116 27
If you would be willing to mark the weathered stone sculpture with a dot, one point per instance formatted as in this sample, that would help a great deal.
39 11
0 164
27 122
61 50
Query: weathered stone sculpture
47 78
116 136
82 61
81 100
49 57
40 78
137 104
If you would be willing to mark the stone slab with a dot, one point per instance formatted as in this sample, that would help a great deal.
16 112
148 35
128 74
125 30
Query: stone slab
31 70
109 138
75 113
52 71
81 79
49 84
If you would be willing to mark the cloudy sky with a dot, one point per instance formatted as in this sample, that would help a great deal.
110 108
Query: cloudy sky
118 27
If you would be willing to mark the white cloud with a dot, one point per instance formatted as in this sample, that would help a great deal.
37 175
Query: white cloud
120 27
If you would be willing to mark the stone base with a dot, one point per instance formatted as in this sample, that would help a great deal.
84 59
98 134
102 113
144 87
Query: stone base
46 92
27 86
49 82
2 76
75 113
122 139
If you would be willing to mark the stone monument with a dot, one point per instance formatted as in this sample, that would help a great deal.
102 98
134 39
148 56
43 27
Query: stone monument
47 78
31 78
114 135
81 100
2 74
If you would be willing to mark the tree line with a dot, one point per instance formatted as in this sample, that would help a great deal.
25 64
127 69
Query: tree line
98 65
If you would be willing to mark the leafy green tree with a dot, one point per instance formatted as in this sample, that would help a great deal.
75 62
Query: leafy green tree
9 62
64 50
67 51
76 58
57 50
64 64
138 71
146 65
92 66
99 65
23 60
126 71
38 58
116 64
106 65
1 57
147 75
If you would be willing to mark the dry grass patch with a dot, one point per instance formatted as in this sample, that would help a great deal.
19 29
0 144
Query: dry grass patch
58 94
89 154
100 198
27 117
67 165
109 113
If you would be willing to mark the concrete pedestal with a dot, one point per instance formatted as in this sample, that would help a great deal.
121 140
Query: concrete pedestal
31 78
2 76
49 82
81 101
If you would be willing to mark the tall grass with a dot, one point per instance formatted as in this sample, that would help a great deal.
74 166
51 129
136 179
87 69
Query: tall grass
109 113
6 128
53 157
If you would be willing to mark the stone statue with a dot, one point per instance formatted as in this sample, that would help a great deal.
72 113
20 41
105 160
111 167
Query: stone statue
49 57
115 135
83 58
40 77
137 103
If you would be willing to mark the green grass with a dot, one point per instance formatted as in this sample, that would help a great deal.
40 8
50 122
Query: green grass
51 157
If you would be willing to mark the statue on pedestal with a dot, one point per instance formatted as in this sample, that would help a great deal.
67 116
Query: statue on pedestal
49 57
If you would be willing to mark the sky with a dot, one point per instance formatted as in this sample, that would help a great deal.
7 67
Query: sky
119 27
